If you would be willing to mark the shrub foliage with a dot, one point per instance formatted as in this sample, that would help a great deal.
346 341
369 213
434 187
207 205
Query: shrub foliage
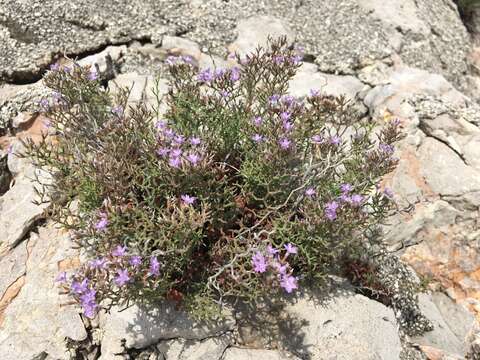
237 191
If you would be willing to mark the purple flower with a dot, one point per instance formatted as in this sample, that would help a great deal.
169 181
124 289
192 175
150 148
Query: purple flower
225 94
187 199
88 296
99 263
79 287
154 266
279 60
259 263
171 60
257 138
55 66
120 251
195 141
288 100
285 115
345 198
310 192
88 303
219 72
232 56
92 75
289 283
122 277
234 74
174 162
89 310
44 104
346 188
205 76
179 139
273 100
282 269
161 124
271 250
187 59
287 126
176 153
335 140
284 143
314 92
357 199
67 69
257 120
62 277
10 149
297 59
386 148
193 158
331 210
169 133
163 152
317 139
118 110
388 192
291 249
102 224
135 261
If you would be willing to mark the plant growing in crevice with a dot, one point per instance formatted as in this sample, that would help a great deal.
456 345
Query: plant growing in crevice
238 191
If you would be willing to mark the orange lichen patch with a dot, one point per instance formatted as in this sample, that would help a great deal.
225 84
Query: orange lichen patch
68 264
34 129
413 168
11 293
432 353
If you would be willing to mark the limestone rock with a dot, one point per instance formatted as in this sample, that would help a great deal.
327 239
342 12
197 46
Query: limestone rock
255 31
181 349
37 320
140 327
234 353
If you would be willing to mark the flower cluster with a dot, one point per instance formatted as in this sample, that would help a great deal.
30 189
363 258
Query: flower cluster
238 190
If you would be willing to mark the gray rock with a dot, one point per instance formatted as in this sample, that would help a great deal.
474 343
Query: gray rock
235 353
18 213
181 349
255 31
38 319
452 324
13 266
140 327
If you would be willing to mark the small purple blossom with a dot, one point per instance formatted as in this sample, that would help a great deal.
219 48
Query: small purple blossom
273 100
187 199
195 141
122 277
154 268
176 152
357 199
55 66
79 287
102 224
285 115
135 261
386 148
118 110
284 143
388 192
282 269
335 140
287 126
161 124
88 303
162 152
62 277
92 75
297 59
120 251
289 283
205 76
310 192
290 248
259 263
314 92
331 210
271 250
257 138
279 60
346 188
169 133
171 60
99 263
234 74
179 139
193 158
44 104
317 139
219 73
257 120
174 162
225 94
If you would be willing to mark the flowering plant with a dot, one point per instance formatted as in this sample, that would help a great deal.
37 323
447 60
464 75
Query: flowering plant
239 190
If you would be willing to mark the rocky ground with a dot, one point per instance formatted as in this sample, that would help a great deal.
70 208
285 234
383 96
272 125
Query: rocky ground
409 59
